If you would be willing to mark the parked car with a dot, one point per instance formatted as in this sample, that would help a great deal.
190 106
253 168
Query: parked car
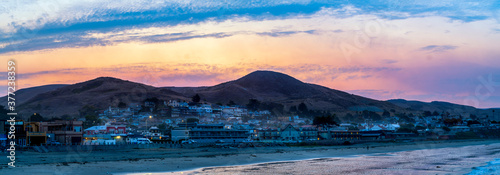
188 141
53 143
219 141
143 141
248 141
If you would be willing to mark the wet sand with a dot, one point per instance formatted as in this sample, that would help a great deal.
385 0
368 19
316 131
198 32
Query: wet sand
422 157
454 160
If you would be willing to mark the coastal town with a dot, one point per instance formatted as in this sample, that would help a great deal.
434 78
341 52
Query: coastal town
194 123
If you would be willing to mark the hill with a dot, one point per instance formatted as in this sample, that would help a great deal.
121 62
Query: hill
99 93
441 107
24 95
268 86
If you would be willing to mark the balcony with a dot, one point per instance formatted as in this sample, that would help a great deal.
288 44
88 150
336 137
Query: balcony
36 134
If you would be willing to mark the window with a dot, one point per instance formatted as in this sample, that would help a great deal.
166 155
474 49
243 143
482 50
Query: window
77 129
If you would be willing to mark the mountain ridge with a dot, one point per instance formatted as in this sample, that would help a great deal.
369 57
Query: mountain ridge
265 86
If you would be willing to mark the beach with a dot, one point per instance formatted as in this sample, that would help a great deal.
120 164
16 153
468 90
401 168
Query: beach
430 157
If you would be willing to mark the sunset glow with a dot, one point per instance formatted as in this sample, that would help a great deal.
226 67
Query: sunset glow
382 50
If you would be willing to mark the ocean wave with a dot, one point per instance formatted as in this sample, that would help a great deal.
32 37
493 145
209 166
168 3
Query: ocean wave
492 167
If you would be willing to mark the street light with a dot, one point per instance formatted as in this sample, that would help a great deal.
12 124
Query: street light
147 122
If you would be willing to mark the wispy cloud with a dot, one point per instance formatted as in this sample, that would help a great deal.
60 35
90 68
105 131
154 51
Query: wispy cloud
285 33
41 25
438 48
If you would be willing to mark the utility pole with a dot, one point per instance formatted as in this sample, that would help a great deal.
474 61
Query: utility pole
493 113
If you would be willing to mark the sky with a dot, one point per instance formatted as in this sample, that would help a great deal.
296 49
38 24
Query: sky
414 50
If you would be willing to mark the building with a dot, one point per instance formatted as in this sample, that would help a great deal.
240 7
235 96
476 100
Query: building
340 135
459 128
19 129
105 132
65 132
34 136
154 134
267 134
208 133
378 127
175 103
236 111
288 133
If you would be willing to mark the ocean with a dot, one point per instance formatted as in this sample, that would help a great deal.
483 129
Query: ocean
492 167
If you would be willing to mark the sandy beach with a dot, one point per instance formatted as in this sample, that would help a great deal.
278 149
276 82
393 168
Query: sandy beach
445 157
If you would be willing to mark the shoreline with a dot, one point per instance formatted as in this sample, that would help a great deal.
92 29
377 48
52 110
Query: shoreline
488 165
179 160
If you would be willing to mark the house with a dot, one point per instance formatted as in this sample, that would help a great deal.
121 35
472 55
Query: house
288 133
20 132
308 133
254 121
105 132
236 111
372 135
175 103
208 133
459 128
267 134
65 132
202 109
340 135
34 135
378 127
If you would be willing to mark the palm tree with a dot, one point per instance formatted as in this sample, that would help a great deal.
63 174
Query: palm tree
493 111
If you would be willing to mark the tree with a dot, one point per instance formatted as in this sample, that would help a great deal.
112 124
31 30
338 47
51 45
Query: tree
420 128
36 117
435 113
406 128
3 113
162 127
274 108
325 120
192 120
446 129
293 109
348 116
473 117
427 113
253 105
91 120
472 122
302 107
372 115
196 98
88 110
451 122
154 100
386 113
231 103
122 105
66 117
